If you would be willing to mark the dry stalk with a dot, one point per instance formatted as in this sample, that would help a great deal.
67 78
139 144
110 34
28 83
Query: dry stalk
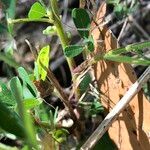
119 107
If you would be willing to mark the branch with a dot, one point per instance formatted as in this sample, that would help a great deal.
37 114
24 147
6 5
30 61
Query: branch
64 98
111 117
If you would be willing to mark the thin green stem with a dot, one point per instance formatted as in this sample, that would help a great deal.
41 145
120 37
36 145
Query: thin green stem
64 40
114 55
138 46
60 32
22 20
128 48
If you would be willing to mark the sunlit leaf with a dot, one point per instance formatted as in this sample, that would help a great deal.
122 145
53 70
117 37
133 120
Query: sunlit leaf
43 57
37 11
31 103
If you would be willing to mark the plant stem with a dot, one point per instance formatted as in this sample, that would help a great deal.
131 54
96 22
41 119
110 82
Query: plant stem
61 33
114 55
22 20
64 41
63 96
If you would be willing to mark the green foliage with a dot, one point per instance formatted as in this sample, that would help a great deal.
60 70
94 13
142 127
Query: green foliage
96 107
31 103
82 21
10 12
53 118
17 91
37 11
50 30
6 96
121 9
10 121
29 89
126 59
11 9
43 60
23 91
85 83
73 50
89 43
60 135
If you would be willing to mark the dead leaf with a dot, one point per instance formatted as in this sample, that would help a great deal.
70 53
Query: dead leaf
132 128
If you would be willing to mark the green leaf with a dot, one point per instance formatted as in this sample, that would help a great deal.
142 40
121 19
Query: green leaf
120 11
60 135
82 21
36 72
6 95
16 90
31 103
73 50
37 11
10 121
43 57
8 60
10 7
28 86
50 30
126 59
89 43
85 83
96 107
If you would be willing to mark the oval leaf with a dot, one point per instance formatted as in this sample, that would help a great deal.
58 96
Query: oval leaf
82 21
85 83
89 43
37 11
43 58
73 50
